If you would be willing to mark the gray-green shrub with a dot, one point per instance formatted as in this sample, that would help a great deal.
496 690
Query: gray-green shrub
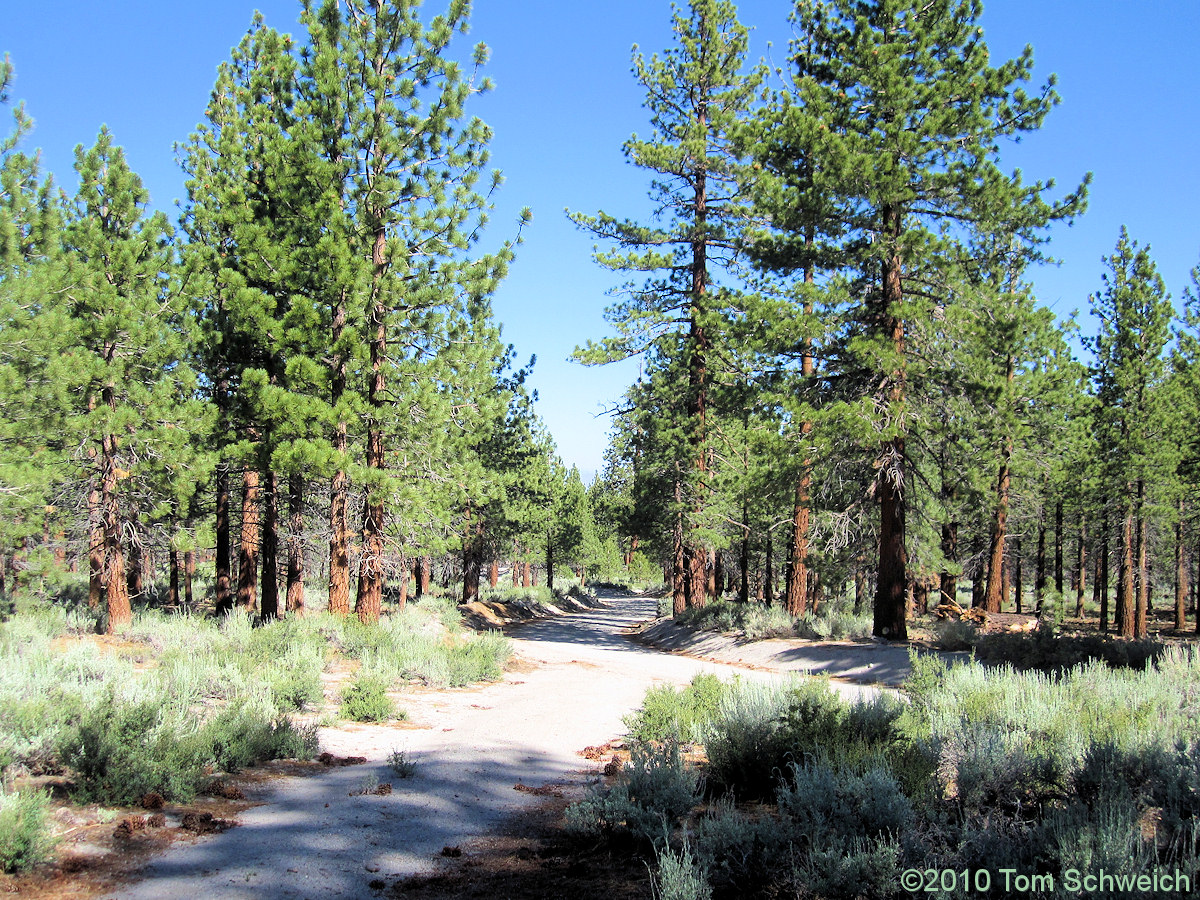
680 877
680 715
835 807
365 699
646 802
25 836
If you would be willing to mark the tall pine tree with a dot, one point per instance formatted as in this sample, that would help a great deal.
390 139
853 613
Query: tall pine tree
896 121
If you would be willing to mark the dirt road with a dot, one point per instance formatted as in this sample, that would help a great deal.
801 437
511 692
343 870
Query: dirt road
574 679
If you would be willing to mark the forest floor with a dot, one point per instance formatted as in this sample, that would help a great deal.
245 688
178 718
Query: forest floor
495 765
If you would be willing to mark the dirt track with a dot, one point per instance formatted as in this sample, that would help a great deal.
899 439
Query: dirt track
573 680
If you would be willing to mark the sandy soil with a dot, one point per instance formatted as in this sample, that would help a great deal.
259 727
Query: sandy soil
483 755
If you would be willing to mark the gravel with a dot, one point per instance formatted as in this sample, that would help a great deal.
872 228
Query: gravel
573 680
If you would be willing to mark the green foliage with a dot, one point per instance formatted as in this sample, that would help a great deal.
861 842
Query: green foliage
245 734
668 714
747 754
679 876
25 837
415 644
365 700
401 765
740 849
649 797
758 621
1046 651
983 769
119 751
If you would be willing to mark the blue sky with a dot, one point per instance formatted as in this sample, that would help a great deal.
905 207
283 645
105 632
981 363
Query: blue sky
565 101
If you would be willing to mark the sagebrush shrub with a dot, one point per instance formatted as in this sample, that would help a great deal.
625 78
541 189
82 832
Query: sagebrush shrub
837 807
647 801
25 836
679 876
122 749
668 714
365 700
747 754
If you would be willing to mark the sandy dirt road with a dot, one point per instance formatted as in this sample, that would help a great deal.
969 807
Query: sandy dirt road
574 678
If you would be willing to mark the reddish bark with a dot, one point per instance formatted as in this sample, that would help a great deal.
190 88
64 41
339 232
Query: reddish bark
339 527
247 595
116 589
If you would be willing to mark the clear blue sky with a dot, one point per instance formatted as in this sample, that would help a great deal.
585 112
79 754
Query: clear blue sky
565 102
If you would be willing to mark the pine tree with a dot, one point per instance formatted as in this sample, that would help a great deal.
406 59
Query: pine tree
897 116
696 93
1185 372
258 222
33 457
125 376
386 94
1135 314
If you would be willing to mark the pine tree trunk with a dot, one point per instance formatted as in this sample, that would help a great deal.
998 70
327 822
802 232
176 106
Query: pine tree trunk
224 586
1181 585
493 574
796 598
339 488
744 559
769 574
526 575
247 596
116 590
679 589
95 542
979 585
173 578
1058 547
1039 579
402 587
996 589
890 617
269 592
472 565
369 602
697 576
860 591
1143 571
796 601
1019 587
698 345
1081 568
549 561
718 576
1197 587
424 568
295 550
1100 582
1126 612
948 583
